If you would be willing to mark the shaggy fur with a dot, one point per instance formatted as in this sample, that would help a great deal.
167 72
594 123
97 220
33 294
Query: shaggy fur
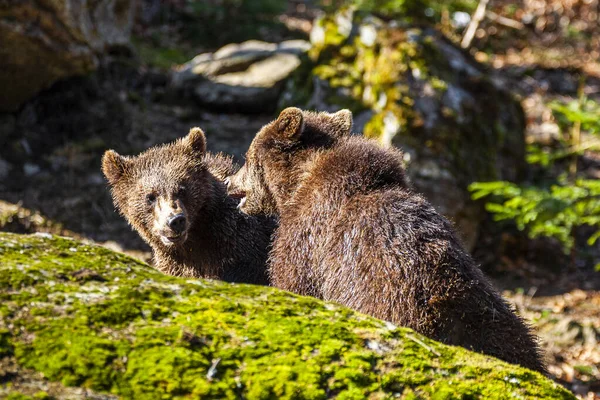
181 178
352 231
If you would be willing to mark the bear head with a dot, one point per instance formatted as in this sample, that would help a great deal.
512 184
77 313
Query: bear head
161 191
273 167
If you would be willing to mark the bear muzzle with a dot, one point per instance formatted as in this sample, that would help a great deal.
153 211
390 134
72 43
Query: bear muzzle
177 223
174 230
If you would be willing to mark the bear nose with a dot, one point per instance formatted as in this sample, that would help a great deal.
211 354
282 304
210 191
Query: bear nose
177 223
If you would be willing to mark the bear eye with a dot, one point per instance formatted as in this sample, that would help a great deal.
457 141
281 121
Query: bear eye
150 198
181 191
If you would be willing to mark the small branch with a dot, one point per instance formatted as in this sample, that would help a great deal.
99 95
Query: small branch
575 150
422 344
474 24
581 147
212 371
576 132
511 23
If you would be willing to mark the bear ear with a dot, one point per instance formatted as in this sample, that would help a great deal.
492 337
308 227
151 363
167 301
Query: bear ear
114 166
196 140
342 122
290 123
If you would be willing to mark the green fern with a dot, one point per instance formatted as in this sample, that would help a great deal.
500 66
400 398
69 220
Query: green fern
556 209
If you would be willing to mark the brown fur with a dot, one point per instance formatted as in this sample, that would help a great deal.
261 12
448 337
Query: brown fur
352 231
218 241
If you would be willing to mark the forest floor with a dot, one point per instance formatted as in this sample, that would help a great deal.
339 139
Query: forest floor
554 57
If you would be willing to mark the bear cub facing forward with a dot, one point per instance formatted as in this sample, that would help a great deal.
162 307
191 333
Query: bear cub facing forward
173 195
352 231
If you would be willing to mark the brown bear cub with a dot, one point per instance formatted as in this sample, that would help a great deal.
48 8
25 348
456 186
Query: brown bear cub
173 195
352 231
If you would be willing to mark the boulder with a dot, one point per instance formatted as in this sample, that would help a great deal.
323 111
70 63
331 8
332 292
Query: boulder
246 77
78 320
47 40
410 87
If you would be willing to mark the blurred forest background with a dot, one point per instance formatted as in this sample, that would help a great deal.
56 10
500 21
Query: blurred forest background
495 103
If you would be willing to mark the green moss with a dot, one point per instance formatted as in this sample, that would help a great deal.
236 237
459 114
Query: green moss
15 218
6 348
20 396
157 56
414 10
139 334
444 106
218 22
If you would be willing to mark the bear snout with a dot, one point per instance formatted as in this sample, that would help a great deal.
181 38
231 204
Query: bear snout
177 223
171 224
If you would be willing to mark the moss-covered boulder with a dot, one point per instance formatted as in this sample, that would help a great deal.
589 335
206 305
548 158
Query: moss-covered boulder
79 320
411 87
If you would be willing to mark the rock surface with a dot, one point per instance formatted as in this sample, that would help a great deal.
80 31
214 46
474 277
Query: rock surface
79 320
47 40
246 77
409 86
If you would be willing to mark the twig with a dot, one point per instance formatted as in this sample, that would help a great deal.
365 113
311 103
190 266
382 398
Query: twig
576 132
212 371
591 144
576 142
576 150
511 23
530 293
474 24
422 344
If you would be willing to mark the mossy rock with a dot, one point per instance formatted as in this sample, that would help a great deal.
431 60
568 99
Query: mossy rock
411 87
78 319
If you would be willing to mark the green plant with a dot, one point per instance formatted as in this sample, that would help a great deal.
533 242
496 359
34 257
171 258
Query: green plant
553 211
557 207
222 21
419 9
159 56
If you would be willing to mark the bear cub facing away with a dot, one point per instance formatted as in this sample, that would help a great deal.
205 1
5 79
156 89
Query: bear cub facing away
352 231
173 195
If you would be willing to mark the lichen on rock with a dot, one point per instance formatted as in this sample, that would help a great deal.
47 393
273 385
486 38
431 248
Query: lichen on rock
411 87
77 318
